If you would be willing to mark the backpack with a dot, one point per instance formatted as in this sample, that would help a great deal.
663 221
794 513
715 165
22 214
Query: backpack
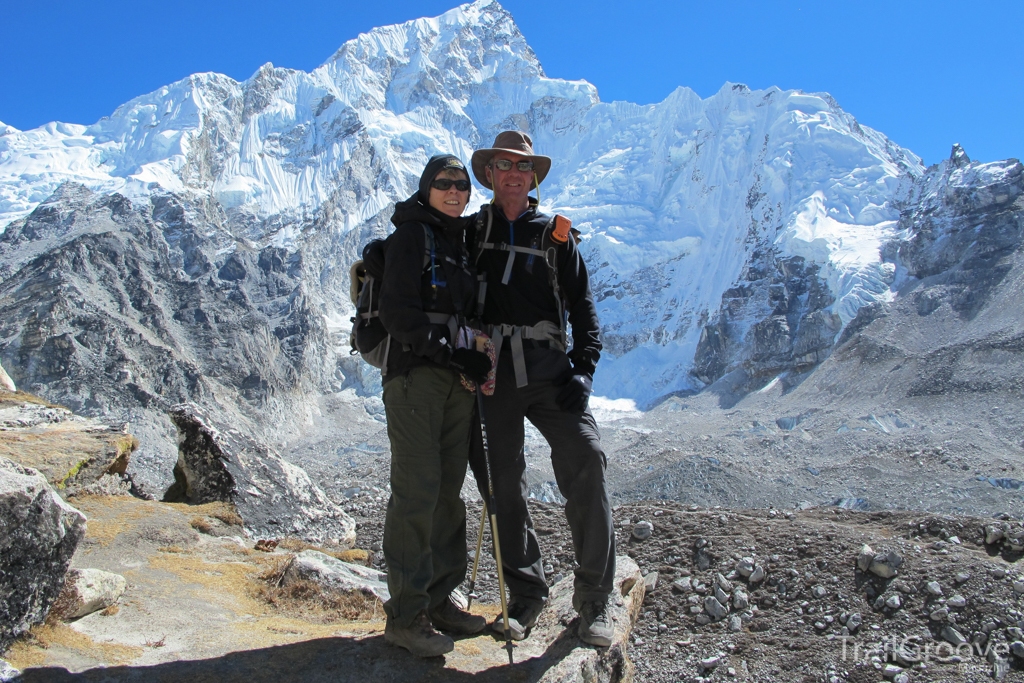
368 337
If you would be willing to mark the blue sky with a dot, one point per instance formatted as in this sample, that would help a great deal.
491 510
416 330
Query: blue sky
927 74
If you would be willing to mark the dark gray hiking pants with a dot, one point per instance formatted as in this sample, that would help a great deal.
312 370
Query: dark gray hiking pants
579 464
429 416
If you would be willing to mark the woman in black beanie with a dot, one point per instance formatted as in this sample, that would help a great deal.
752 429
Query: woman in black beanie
426 295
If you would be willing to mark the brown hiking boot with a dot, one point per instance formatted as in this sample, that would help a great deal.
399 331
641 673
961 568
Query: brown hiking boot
522 616
419 638
595 623
448 617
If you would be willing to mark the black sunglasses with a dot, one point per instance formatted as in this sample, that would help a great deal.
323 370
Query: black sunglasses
506 165
445 184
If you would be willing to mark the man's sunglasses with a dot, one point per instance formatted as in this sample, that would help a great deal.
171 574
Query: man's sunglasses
506 165
445 184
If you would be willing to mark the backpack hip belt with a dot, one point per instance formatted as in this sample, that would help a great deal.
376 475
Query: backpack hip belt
545 330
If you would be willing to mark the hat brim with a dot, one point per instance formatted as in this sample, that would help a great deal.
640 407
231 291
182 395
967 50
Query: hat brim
482 157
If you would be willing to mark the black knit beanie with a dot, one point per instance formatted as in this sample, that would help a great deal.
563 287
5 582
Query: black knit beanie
438 163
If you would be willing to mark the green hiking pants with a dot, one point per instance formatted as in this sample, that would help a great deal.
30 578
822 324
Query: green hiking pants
429 418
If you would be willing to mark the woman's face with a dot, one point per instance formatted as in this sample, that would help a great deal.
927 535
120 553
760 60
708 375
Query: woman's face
452 201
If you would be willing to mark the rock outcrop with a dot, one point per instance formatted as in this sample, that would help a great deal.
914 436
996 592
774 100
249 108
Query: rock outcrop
274 497
88 590
333 574
38 536
5 380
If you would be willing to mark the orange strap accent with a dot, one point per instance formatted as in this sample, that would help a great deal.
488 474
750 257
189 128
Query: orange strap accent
561 232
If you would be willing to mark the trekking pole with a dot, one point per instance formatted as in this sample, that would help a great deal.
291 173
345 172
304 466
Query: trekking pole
476 562
491 507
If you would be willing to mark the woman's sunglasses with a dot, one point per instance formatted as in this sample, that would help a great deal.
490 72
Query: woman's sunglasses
445 184
506 165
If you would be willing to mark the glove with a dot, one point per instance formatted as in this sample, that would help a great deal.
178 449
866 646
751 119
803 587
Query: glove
473 364
575 395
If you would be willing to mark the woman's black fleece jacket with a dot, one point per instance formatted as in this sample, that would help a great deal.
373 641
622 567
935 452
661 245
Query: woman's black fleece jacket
408 289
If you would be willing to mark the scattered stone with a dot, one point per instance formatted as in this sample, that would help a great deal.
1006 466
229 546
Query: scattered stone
745 567
1017 648
651 581
853 622
757 576
735 623
891 671
1018 587
819 592
933 588
714 608
940 614
993 534
682 585
999 573
642 530
865 557
711 662
962 577
723 583
953 636
893 602
886 565
88 590
40 534
956 601
740 600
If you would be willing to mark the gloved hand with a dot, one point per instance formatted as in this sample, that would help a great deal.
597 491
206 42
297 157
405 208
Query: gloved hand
575 395
473 364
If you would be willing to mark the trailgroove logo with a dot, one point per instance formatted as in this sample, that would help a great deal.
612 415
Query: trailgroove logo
914 649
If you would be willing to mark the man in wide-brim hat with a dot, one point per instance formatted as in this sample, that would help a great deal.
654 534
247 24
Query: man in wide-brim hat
534 281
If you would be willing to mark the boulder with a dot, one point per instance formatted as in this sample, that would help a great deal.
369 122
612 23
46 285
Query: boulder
87 591
8 674
274 497
38 535
336 575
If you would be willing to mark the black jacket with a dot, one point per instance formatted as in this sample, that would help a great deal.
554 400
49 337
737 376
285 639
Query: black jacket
408 290
528 298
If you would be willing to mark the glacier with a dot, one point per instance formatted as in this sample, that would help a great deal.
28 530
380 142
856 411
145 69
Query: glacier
676 201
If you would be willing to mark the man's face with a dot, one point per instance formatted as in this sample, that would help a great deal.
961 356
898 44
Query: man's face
511 186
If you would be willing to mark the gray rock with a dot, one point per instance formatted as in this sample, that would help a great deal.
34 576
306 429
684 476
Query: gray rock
957 601
893 602
740 600
651 581
712 662
891 671
735 623
642 530
886 564
8 674
962 577
335 575
721 595
1017 648
714 608
38 535
865 557
274 497
757 576
819 592
745 567
89 590
853 622
940 614
723 583
953 636
933 588
902 677
1018 587
682 585
1000 668
993 534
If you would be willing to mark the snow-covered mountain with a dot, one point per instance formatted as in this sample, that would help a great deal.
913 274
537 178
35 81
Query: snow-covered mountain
708 224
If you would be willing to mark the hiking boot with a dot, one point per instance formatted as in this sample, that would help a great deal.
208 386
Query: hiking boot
522 616
449 617
595 623
419 638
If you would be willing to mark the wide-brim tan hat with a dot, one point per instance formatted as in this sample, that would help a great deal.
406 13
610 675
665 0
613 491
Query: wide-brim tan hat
514 141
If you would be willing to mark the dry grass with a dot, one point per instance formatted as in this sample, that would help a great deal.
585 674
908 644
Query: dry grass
353 555
201 524
225 512
311 602
30 650
13 398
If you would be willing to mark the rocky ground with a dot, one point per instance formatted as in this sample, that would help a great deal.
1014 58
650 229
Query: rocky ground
951 612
